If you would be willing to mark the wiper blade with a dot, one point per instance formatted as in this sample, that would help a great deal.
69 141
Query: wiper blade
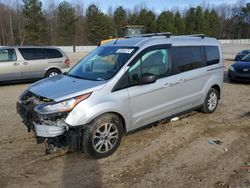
75 76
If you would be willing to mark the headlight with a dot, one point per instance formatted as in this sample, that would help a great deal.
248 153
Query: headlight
231 68
63 106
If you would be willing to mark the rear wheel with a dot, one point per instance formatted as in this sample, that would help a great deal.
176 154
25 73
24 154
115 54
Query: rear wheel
103 136
52 72
211 101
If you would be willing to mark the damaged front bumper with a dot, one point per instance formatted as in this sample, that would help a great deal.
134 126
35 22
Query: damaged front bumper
48 131
50 128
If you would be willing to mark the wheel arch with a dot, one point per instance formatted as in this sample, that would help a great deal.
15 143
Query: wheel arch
116 113
217 87
52 68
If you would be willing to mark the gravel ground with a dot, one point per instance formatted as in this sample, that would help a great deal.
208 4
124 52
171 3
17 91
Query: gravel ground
170 154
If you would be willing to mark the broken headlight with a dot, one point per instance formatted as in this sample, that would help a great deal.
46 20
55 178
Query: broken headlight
63 106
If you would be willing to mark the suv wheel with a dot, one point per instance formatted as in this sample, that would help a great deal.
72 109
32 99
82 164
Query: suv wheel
102 136
52 72
211 101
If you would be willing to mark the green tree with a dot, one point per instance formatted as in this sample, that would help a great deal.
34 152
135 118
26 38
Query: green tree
190 21
35 23
213 24
120 20
199 20
66 23
147 18
98 24
165 22
179 24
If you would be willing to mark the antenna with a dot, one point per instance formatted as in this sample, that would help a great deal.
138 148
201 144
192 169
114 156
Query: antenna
116 36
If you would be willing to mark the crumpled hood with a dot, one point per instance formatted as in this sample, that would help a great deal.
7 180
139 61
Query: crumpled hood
62 87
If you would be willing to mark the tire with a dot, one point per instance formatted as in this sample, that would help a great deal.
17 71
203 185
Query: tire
211 102
52 72
98 143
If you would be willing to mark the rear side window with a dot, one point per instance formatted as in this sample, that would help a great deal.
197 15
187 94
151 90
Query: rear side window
7 55
212 55
186 58
52 53
32 53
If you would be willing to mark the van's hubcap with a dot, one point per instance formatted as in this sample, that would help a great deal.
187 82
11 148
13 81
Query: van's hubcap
212 101
53 74
105 137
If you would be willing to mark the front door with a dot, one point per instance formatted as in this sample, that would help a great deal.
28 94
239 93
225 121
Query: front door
151 102
10 67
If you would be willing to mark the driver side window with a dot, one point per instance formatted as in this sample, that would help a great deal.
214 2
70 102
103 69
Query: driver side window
154 62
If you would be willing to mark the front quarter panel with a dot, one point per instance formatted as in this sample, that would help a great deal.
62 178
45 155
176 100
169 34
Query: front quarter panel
98 103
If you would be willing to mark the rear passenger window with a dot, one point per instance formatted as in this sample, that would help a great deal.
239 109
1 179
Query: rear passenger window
186 58
7 55
32 53
212 55
52 53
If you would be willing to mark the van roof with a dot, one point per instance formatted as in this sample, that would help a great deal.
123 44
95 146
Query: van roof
158 40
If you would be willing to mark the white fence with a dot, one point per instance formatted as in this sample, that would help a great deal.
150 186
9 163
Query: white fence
235 41
71 49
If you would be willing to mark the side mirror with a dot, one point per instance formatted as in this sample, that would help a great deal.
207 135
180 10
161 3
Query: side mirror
147 79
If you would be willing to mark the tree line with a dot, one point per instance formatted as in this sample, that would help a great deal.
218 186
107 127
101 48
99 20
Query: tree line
27 22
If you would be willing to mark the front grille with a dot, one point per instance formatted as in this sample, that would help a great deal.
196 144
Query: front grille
243 71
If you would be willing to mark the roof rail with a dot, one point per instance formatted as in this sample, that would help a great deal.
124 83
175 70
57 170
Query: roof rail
166 34
196 35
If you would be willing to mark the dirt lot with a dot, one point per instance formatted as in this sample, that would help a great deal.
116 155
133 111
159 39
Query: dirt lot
172 154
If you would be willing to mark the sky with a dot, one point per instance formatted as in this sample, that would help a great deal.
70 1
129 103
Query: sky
156 5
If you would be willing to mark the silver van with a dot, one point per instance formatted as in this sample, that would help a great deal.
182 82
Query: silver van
122 86
22 63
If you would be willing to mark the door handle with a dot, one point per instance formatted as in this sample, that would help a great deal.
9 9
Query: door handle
25 63
15 64
169 84
181 80
173 84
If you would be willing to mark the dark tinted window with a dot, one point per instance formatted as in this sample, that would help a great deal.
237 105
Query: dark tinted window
52 53
7 55
186 58
32 53
246 58
212 55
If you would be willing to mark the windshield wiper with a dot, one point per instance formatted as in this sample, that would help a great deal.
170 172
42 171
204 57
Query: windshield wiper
75 76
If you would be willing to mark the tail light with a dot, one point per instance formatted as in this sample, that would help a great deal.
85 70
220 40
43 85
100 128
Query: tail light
67 62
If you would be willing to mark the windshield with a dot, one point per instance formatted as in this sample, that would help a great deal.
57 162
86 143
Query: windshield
246 58
245 51
103 63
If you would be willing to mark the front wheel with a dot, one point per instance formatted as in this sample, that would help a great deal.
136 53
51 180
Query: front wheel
211 102
103 136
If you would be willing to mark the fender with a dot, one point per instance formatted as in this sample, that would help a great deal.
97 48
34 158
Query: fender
85 112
